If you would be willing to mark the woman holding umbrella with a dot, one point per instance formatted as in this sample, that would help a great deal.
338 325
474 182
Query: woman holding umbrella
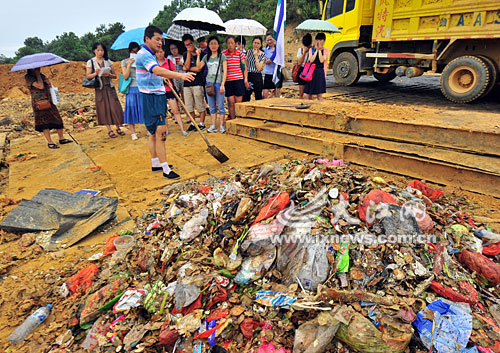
46 114
108 108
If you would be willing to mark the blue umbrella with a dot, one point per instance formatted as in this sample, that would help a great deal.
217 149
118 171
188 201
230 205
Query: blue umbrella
34 61
134 35
124 39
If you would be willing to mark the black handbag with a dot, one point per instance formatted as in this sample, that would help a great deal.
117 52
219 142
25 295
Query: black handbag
210 89
93 82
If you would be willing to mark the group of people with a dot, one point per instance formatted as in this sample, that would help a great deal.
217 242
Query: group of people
202 76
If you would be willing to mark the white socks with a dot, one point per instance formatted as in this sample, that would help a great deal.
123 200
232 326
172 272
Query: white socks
155 162
166 168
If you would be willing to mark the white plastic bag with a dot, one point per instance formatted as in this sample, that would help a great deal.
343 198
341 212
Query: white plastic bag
194 226
54 95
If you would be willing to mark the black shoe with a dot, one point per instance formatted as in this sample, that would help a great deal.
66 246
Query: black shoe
157 169
191 128
202 127
64 141
172 175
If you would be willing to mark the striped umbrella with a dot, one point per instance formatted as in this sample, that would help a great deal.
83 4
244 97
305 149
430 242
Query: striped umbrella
177 31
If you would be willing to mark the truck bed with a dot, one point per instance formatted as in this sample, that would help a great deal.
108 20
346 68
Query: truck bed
435 19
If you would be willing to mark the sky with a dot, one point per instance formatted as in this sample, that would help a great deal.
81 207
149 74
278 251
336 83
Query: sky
49 18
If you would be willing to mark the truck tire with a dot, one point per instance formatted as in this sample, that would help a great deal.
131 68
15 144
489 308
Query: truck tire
465 79
346 69
492 69
389 76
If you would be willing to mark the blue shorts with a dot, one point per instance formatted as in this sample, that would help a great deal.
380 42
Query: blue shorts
154 110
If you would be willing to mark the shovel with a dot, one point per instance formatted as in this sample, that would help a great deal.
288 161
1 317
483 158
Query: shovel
299 106
214 151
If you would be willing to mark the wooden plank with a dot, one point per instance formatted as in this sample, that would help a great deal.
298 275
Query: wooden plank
449 133
412 160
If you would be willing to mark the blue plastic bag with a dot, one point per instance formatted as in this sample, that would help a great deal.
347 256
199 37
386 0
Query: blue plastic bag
452 326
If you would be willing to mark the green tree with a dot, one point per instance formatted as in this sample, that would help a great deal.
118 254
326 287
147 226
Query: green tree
68 46
5 60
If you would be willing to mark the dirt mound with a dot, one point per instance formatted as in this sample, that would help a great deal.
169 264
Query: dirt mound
66 77
17 93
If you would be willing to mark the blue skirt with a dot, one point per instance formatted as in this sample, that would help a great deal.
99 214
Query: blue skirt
133 110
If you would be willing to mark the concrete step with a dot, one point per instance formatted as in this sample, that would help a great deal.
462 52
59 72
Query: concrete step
440 165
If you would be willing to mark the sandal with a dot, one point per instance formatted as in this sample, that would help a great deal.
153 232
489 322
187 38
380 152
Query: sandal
112 134
53 146
64 141
120 132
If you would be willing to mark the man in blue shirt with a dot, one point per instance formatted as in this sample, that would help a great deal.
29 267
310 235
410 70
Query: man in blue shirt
153 98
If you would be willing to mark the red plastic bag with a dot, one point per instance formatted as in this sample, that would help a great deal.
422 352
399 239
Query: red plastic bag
247 327
273 206
169 337
79 283
431 193
492 249
373 198
218 314
110 246
449 293
481 265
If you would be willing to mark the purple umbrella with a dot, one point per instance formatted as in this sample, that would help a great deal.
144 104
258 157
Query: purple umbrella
34 61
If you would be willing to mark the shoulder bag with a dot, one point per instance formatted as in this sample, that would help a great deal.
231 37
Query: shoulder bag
307 73
123 84
93 82
210 89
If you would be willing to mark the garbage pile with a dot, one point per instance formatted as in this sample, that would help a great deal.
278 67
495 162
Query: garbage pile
307 256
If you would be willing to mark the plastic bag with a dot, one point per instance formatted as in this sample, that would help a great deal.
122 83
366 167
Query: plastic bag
315 335
243 208
304 259
361 335
431 193
261 237
194 226
81 282
447 324
132 298
372 199
274 299
255 267
273 206
185 295
481 265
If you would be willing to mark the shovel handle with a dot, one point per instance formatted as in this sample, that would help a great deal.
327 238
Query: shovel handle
187 112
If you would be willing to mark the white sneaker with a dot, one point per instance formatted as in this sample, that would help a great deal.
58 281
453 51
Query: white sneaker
134 137
212 128
222 130
184 133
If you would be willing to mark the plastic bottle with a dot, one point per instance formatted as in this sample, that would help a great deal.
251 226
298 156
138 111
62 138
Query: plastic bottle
30 324
194 226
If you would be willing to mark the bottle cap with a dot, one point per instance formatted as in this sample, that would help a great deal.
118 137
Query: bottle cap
49 306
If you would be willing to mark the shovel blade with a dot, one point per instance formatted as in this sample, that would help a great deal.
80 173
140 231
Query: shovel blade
217 154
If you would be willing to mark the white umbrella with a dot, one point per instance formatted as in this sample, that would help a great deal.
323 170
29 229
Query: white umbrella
244 27
317 26
199 18
176 32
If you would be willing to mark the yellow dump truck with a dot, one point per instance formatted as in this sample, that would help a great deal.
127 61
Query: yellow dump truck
460 39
